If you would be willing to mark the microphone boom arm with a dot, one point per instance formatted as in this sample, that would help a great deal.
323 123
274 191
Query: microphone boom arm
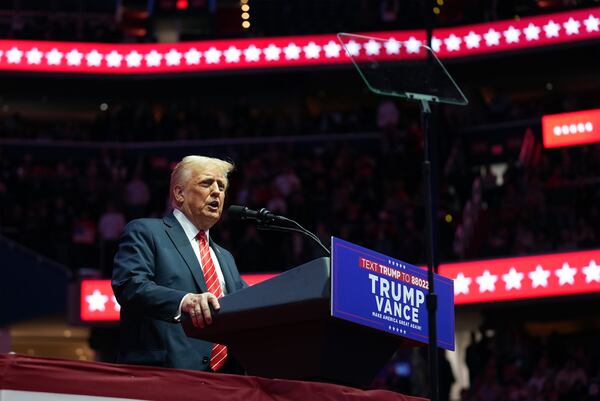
273 226
266 220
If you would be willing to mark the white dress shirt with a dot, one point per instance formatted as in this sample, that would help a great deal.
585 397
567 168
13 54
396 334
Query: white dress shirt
191 232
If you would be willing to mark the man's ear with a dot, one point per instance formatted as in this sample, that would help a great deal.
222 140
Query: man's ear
178 194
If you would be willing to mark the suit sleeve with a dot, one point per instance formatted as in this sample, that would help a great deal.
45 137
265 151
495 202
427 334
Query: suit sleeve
134 271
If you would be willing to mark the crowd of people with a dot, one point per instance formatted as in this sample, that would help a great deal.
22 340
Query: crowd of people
340 188
362 190
366 189
516 366
508 364
144 121
551 204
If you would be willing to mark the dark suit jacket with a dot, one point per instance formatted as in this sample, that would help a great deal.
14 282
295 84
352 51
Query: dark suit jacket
155 267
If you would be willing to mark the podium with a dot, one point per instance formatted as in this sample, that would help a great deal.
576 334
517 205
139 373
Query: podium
282 328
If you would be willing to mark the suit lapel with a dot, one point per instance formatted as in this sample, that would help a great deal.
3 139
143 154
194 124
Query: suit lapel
225 268
183 246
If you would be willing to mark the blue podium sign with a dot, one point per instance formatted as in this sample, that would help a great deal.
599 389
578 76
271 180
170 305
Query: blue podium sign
387 294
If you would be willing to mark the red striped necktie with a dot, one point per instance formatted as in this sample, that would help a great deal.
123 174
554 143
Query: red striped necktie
218 356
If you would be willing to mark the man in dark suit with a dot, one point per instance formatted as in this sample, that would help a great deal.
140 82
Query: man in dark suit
166 267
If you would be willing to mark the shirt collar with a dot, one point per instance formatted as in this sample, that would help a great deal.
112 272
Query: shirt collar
191 231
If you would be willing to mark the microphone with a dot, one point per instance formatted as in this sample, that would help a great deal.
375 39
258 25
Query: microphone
262 216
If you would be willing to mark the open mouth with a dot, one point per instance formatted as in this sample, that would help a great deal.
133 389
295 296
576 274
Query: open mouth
214 205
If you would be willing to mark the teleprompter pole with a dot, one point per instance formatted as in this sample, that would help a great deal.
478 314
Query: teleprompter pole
430 212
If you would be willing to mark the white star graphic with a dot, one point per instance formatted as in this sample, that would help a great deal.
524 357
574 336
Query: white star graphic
212 56
512 34
572 26
93 58
332 49
487 281
117 306
173 57
492 37
252 53
153 58
513 279
74 57
133 59
592 272
192 56
113 59
461 284
272 52
551 29
312 50
452 43
96 301
352 48
34 56
566 274
591 23
54 57
232 54
1 53
532 32
412 45
292 52
539 277
472 40
13 56
392 46
436 44
372 47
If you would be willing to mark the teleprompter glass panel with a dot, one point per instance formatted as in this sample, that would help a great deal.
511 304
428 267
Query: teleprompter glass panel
406 69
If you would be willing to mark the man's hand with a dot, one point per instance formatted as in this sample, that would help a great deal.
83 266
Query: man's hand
197 306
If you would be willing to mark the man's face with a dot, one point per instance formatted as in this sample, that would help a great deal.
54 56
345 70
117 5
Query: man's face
203 196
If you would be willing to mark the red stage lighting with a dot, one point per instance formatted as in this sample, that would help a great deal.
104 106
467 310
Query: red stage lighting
568 129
